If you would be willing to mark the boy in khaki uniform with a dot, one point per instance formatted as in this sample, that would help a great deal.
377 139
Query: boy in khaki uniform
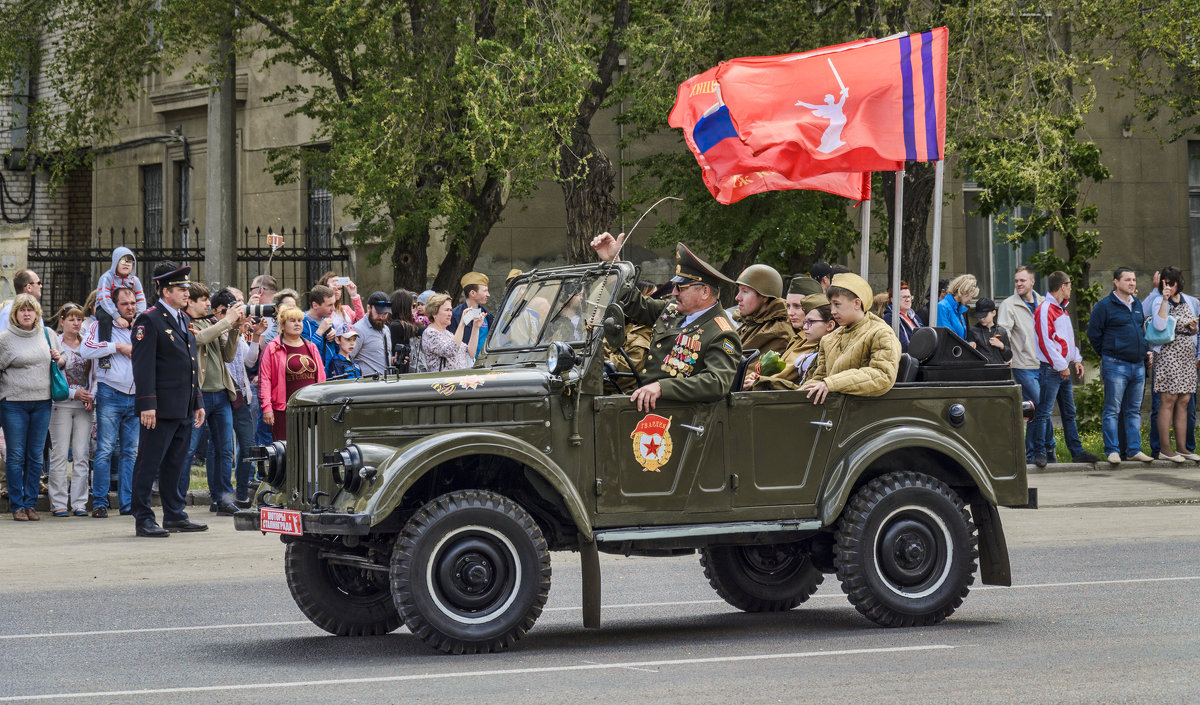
863 355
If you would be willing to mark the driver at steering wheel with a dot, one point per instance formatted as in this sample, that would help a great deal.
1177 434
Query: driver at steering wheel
694 349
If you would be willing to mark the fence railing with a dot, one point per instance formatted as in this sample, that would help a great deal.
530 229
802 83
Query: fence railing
70 263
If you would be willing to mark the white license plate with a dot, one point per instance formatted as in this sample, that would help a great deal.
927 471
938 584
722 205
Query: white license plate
279 521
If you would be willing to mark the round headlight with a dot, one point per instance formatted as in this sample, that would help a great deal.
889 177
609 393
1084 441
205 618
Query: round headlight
560 358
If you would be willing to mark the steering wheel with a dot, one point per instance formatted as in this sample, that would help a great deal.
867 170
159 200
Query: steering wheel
611 374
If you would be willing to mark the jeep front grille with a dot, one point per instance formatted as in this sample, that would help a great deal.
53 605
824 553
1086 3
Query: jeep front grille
304 456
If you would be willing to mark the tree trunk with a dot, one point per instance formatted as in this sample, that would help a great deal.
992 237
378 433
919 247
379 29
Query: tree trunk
585 173
916 259
410 259
487 203
587 177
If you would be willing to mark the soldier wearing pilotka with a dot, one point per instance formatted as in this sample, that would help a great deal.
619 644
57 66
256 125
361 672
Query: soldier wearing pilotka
694 350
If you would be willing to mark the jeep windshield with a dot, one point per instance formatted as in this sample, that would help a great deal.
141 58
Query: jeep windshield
544 310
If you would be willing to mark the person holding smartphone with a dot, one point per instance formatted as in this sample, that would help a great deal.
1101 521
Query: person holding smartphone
343 316
1174 365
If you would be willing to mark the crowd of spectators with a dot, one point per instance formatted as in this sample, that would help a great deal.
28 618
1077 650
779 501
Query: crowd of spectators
249 366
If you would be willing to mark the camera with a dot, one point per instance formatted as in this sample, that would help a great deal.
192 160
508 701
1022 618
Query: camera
260 310
400 353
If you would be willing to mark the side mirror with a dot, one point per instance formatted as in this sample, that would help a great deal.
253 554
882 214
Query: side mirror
614 326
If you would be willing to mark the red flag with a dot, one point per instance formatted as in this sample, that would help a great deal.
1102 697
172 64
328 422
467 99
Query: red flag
856 107
730 169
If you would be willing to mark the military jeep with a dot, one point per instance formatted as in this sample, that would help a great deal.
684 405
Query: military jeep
434 499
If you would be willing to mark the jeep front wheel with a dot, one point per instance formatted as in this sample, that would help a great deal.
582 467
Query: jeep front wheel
470 572
771 578
906 550
341 599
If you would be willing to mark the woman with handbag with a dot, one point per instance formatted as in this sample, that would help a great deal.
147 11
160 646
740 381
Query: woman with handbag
31 362
1174 364
71 422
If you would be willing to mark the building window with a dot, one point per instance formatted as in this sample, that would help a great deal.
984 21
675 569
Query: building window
990 256
183 202
152 206
320 224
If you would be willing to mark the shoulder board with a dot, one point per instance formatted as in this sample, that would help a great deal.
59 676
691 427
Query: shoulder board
723 323
151 309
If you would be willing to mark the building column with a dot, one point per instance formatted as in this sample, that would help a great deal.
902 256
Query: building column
220 211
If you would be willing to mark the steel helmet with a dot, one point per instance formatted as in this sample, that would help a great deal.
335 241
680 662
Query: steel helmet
763 279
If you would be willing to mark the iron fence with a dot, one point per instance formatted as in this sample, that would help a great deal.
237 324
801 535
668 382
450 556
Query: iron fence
70 264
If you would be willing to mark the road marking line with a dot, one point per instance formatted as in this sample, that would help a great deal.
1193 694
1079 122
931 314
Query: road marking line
478 674
623 606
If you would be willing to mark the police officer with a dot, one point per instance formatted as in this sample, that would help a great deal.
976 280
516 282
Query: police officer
694 350
762 311
167 378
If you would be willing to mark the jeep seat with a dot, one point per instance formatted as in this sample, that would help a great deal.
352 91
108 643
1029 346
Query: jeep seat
907 371
748 356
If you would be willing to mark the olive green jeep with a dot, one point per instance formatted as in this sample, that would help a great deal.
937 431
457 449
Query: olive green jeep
434 499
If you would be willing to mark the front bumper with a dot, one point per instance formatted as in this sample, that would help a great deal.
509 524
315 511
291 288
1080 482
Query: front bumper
326 523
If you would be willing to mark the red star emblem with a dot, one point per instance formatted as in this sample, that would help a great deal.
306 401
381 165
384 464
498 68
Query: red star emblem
652 448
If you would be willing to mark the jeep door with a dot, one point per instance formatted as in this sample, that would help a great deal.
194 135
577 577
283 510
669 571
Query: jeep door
779 444
671 459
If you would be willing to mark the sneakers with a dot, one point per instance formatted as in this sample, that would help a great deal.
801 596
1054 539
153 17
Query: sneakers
1114 458
1141 457
1039 459
1178 459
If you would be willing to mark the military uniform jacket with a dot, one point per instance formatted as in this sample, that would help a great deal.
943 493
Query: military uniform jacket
696 363
768 329
166 373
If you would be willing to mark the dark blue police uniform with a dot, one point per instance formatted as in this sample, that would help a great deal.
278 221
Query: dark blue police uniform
166 375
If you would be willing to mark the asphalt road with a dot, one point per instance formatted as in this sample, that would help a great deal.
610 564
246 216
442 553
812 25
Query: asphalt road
1106 609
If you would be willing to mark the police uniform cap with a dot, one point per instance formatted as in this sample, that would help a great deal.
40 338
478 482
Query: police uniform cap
174 277
804 285
855 284
476 278
808 303
690 269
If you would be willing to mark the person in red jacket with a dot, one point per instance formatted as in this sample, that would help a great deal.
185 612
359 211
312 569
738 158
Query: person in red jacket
289 363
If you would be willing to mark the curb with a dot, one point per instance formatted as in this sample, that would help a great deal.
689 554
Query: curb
1104 466
194 498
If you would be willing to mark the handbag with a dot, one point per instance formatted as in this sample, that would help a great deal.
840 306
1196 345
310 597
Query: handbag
1155 336
59 391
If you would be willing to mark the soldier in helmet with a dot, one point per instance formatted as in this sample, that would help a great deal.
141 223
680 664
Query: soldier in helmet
808 333
761 310
694 351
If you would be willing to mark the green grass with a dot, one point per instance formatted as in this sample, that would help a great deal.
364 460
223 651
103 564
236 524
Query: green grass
1093 442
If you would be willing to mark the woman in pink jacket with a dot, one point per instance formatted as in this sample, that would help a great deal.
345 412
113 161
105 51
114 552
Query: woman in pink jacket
289 363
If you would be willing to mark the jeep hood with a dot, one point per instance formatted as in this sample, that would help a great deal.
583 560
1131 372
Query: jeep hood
430 386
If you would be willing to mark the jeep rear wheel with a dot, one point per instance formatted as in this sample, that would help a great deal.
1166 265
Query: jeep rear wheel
906 550
338 598
470 572
770 578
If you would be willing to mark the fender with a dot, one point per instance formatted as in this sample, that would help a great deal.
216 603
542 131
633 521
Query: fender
849 467
410 464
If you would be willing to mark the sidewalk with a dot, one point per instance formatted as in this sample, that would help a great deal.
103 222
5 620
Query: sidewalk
194 498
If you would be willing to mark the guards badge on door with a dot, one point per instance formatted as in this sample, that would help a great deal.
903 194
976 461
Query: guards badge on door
652 442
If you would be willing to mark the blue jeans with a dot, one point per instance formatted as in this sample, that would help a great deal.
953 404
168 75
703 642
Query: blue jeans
1054 387
1031 391
117 429
243 431
218 416
26 425
1124 383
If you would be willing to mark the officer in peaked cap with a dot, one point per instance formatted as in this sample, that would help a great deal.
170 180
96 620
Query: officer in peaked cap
166 375
694 349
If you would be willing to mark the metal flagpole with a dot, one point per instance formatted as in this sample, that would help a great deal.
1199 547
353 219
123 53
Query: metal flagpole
864 252
897 234
939 175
